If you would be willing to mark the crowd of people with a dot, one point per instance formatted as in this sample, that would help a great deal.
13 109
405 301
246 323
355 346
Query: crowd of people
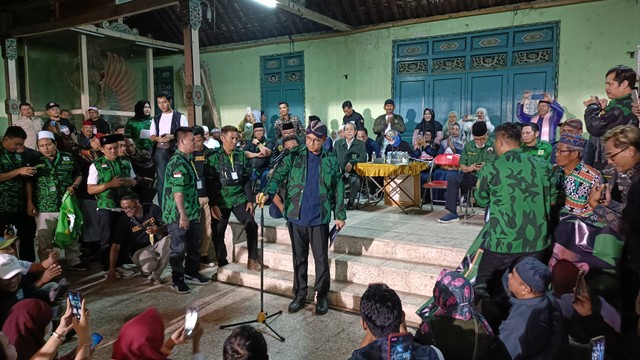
155 192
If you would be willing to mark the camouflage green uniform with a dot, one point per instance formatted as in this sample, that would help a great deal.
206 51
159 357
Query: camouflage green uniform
294 169
180 176
224 191
11 199
519 190
52 180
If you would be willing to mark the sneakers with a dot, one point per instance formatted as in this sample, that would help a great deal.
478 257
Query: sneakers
196 279
255 265
449 218
322 305
78 267
205 262
124 272
179 286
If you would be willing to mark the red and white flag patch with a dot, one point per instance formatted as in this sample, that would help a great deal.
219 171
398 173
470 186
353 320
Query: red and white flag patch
177 174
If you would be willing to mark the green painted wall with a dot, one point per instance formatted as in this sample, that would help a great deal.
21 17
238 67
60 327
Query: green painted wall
593 37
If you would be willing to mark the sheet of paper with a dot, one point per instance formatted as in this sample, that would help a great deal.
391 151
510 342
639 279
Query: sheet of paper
145 134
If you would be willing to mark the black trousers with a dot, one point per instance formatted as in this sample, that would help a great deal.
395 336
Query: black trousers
219 227
161 158
184 255
107 221
25 229
460 181
318 238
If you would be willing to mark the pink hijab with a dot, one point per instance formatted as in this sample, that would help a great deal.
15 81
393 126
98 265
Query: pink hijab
141 338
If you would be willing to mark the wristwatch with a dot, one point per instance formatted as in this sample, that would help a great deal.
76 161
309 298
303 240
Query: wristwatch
58 336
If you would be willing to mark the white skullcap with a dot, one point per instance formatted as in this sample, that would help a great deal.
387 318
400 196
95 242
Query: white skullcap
44 134
205 128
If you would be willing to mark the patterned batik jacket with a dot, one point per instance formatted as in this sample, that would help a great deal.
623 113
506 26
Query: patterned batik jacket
293 168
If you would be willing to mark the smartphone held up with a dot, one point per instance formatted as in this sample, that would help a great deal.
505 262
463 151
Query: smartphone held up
191 319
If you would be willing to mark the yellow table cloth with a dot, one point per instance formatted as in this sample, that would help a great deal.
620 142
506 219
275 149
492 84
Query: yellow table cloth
390 170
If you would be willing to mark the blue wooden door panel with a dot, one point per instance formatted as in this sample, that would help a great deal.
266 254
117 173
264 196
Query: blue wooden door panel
486 90
412 96
447 94
270 99
294 95
537 81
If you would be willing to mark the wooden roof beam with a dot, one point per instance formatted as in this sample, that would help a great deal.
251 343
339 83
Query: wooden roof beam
112 12
304 12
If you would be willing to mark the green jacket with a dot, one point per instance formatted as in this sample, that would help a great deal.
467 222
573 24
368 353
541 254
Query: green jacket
519 190
471 154
11 196
541 149
180 176
356 154
293 168
133 128
225 189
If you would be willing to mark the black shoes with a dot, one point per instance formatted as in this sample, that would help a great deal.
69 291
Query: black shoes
180 286
322 305
297 304
196 279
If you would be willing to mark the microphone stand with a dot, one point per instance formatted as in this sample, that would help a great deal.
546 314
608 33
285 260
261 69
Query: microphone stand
262 315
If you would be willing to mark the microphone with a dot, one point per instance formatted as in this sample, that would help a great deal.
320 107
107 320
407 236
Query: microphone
280 156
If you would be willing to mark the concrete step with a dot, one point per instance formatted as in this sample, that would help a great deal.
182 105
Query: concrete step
409 277
342 295
397 248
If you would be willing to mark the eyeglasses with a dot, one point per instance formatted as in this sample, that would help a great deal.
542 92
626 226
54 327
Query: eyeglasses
564 151
611 157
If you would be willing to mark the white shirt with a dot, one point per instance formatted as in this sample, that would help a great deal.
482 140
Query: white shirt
165 124
92 178
348 143
212 143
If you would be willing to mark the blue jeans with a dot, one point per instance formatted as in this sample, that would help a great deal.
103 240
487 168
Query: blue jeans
184 255
161 158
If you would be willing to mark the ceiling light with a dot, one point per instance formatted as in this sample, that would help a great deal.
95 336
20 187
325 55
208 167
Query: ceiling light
268 3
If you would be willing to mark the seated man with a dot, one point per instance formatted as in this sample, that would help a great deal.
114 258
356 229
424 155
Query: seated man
350 151
579 178
532 145
287 131
259 151
49 267
245 342
534 328
571 126
381 315
474 155
373 149
15 287
143 235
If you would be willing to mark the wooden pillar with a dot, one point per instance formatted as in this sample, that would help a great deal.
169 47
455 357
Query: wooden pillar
193 91
150 78
84 74
27 80
10 55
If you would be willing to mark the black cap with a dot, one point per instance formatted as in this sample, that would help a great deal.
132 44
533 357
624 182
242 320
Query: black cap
287 125
389 101
258 125
111 139
51 104
479 128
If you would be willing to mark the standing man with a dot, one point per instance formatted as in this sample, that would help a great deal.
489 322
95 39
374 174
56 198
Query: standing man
531 143
200 155
475 155
30 124
228 172
259 151
602 116
162 130
314 190
386 122
12 173
57 173
62 128
100 125
285 117
350 151
519 191
351 116
109 179
181 212
548 116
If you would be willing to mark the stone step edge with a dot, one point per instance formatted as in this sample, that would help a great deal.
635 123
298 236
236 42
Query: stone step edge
234 272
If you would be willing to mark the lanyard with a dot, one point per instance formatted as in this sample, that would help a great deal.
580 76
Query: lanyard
193 166
231 160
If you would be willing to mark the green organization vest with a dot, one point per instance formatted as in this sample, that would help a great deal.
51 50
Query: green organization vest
52 180
11 199
107 170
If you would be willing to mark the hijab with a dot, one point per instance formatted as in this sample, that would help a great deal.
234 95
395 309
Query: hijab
430 126
453 297
25 326
141 338
139 110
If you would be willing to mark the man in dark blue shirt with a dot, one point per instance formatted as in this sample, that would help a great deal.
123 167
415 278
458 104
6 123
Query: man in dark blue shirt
351 116
371 146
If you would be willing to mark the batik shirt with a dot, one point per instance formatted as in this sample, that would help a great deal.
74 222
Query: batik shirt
134 127
227 175
577 188
518 190
541 149
52 179
107 170
180 176
297 124
11 199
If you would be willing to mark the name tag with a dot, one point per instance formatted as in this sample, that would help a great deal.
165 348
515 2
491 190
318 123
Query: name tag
177 174
540 152
52 188
199 184
199 158
234 175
